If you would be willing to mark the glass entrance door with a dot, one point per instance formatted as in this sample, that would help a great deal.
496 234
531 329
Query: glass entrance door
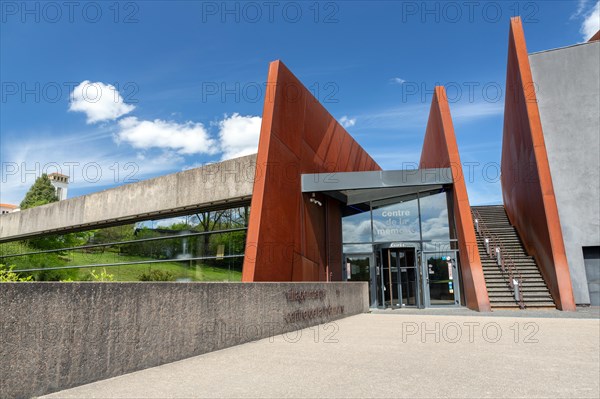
440 272
389 279
399 278
360 267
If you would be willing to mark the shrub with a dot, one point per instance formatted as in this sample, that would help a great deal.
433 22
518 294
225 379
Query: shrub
7 275
103 276
37 261
156 275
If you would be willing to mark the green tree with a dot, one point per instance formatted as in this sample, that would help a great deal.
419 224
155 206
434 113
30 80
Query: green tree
208 221
110 235
41 192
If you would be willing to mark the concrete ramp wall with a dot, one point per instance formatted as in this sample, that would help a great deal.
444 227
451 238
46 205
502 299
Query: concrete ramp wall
212 185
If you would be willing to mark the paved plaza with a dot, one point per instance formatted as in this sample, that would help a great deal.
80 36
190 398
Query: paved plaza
403 353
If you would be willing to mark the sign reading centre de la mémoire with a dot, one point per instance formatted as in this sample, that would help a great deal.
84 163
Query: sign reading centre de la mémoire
301 296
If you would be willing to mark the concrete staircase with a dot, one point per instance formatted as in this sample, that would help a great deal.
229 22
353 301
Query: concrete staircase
534 289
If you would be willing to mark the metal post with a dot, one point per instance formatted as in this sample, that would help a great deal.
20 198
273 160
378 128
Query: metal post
498 256
487 246
477 226
516 289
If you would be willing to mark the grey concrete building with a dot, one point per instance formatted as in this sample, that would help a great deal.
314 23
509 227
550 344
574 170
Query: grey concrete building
567 84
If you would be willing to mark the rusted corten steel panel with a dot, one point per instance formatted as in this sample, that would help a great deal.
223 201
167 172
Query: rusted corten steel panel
291 238
441 151
527 186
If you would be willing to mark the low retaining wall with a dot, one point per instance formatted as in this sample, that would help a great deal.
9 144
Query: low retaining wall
60 335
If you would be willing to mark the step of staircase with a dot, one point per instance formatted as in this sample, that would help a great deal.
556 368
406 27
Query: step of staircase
528 285
528 282
535 291
529 260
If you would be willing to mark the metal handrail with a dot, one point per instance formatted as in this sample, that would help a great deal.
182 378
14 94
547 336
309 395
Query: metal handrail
127 242
141 262
496 250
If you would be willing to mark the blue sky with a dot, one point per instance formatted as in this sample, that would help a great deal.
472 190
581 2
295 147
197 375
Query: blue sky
111 92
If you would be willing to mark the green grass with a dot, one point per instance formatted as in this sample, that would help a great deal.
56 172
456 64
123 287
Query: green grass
180 270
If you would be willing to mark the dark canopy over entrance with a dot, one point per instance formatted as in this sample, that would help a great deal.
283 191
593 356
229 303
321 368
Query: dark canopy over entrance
358 187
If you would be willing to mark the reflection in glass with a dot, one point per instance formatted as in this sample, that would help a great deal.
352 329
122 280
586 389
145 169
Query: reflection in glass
438 246
396 220
357 248
356 226
434 217
202 246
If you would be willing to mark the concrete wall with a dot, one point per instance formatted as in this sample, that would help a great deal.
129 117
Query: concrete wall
229 181
567 83
60 335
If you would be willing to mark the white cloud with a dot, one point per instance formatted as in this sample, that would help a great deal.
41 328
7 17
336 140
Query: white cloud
99 101
239 135
581 5
356 229
89 158
184 138
591 23
347 122
398 80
